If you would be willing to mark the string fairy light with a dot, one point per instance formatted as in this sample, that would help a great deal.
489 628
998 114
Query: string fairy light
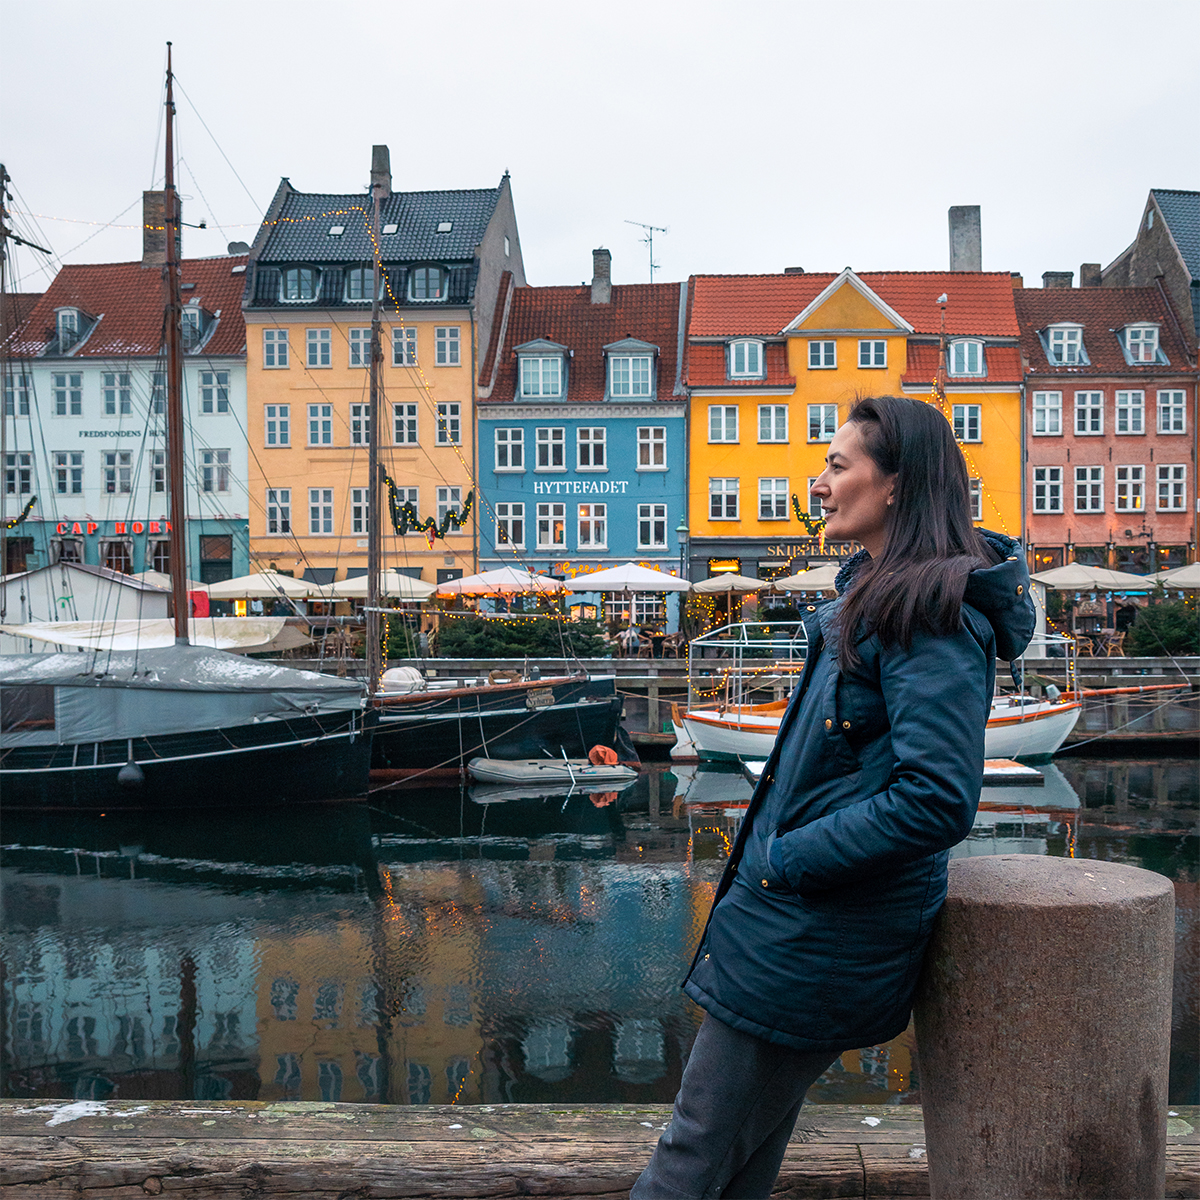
22 515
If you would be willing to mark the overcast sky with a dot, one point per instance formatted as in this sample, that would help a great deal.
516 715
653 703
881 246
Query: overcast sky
764 135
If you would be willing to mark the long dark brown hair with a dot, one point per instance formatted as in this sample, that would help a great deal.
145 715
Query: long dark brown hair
917 583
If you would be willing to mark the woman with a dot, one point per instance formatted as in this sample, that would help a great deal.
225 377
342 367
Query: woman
815 940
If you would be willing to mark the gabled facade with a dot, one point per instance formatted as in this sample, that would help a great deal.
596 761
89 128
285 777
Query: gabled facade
307 306
582 452
773 363
1111 420
86 426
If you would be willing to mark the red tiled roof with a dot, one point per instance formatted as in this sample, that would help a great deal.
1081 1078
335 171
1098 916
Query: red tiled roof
1100 311
14 312
566 315
980 303
707 367
128 299
1003 365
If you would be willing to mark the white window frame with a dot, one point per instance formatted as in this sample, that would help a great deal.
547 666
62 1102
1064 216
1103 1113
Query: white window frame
449 423
320 424
68 393
214 392
815 508
724 498
409 495
824 417
1143 339
961 353
404 346
214 472
968 422
1089 484
447 346
592 527
318 349
1089 411
117 393
279 511
405 426
822 354
320 512
1172 411
772 500
360 505
746 360
872 353
66 327
591 448
68 472
975 494
1129 488
652 518
418 283
449 498
652 446
16 394
158 393
1171 486
293 279
1130 412
18 473
1064 346
552 526
1047 414
358 341
722 423
158 471
509 445
773 423
1047 489
117 475
361 280
275 350
360 424
550 442
541 376
277 424
510 519
627 381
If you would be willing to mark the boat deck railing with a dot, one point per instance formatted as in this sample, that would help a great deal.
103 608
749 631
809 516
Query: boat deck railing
745 664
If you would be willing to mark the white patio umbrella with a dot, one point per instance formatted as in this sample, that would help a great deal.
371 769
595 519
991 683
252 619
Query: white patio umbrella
265 585
815 579
727 583
159 580
1075 577
1180 578
503 581
392 584
628 577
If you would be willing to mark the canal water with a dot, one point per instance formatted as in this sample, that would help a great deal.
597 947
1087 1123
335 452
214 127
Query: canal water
456 944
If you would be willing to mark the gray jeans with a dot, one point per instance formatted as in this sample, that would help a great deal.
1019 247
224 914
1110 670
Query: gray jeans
736 1109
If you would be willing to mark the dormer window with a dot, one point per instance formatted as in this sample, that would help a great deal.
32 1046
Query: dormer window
67 326
1141 343
745 360
630 369
192 325
299 284
541 370
427 283
1064 346
359 281
966 358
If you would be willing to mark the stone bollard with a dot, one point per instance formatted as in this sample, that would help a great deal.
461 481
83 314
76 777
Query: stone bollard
1043 1029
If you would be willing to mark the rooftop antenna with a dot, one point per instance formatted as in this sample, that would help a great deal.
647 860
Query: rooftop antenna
651 230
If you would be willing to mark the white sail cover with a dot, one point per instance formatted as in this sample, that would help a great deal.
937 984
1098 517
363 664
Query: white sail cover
238 634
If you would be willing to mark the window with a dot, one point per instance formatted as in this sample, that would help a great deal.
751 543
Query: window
1089 413
772 423
18 474
1089 489
427 283
551 526
1171 412
652 526
66 325
551 454
360 346
214 470
158 392
118 398
510 449
445 346
872 353
118 472
541 377
278 424
320 511
320 347
967 421
320 424
1131 489
404 347
360 283
975 491
299 284
772 499
966 358
814 502
359 507
1172 481
279 510
69 550
360 424
404 424
191 326
1141 343
822 355
449 425
822 422
510 525
722 423
652 448
409 495
1047 414
214 391
68 394
593 526
16 395
160 556
1047 489
1131 412
275 349
158 471
589 449
448 498
629 375
648 608
117 556
1064 346
68 472
723 499
745 360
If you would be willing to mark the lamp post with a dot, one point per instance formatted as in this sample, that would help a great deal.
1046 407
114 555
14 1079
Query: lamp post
681 532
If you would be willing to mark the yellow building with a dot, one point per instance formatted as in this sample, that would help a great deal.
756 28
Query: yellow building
307 307
774 363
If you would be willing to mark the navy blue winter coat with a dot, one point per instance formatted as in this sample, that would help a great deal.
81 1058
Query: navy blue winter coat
822 917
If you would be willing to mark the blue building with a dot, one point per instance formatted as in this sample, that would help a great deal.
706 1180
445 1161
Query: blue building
582 433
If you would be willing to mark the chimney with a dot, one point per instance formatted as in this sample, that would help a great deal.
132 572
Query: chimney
966 244
601 276
793 270
1018 281
1089 275
154 230
1058 279
381 172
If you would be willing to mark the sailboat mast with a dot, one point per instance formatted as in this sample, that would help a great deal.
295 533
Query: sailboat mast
374 651
174 336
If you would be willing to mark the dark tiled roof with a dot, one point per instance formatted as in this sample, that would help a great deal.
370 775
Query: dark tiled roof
128 300
1003 365
706 367
566 315
1101 311
301 232
1181 211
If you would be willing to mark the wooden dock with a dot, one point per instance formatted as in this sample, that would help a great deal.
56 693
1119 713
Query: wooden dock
121 1150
